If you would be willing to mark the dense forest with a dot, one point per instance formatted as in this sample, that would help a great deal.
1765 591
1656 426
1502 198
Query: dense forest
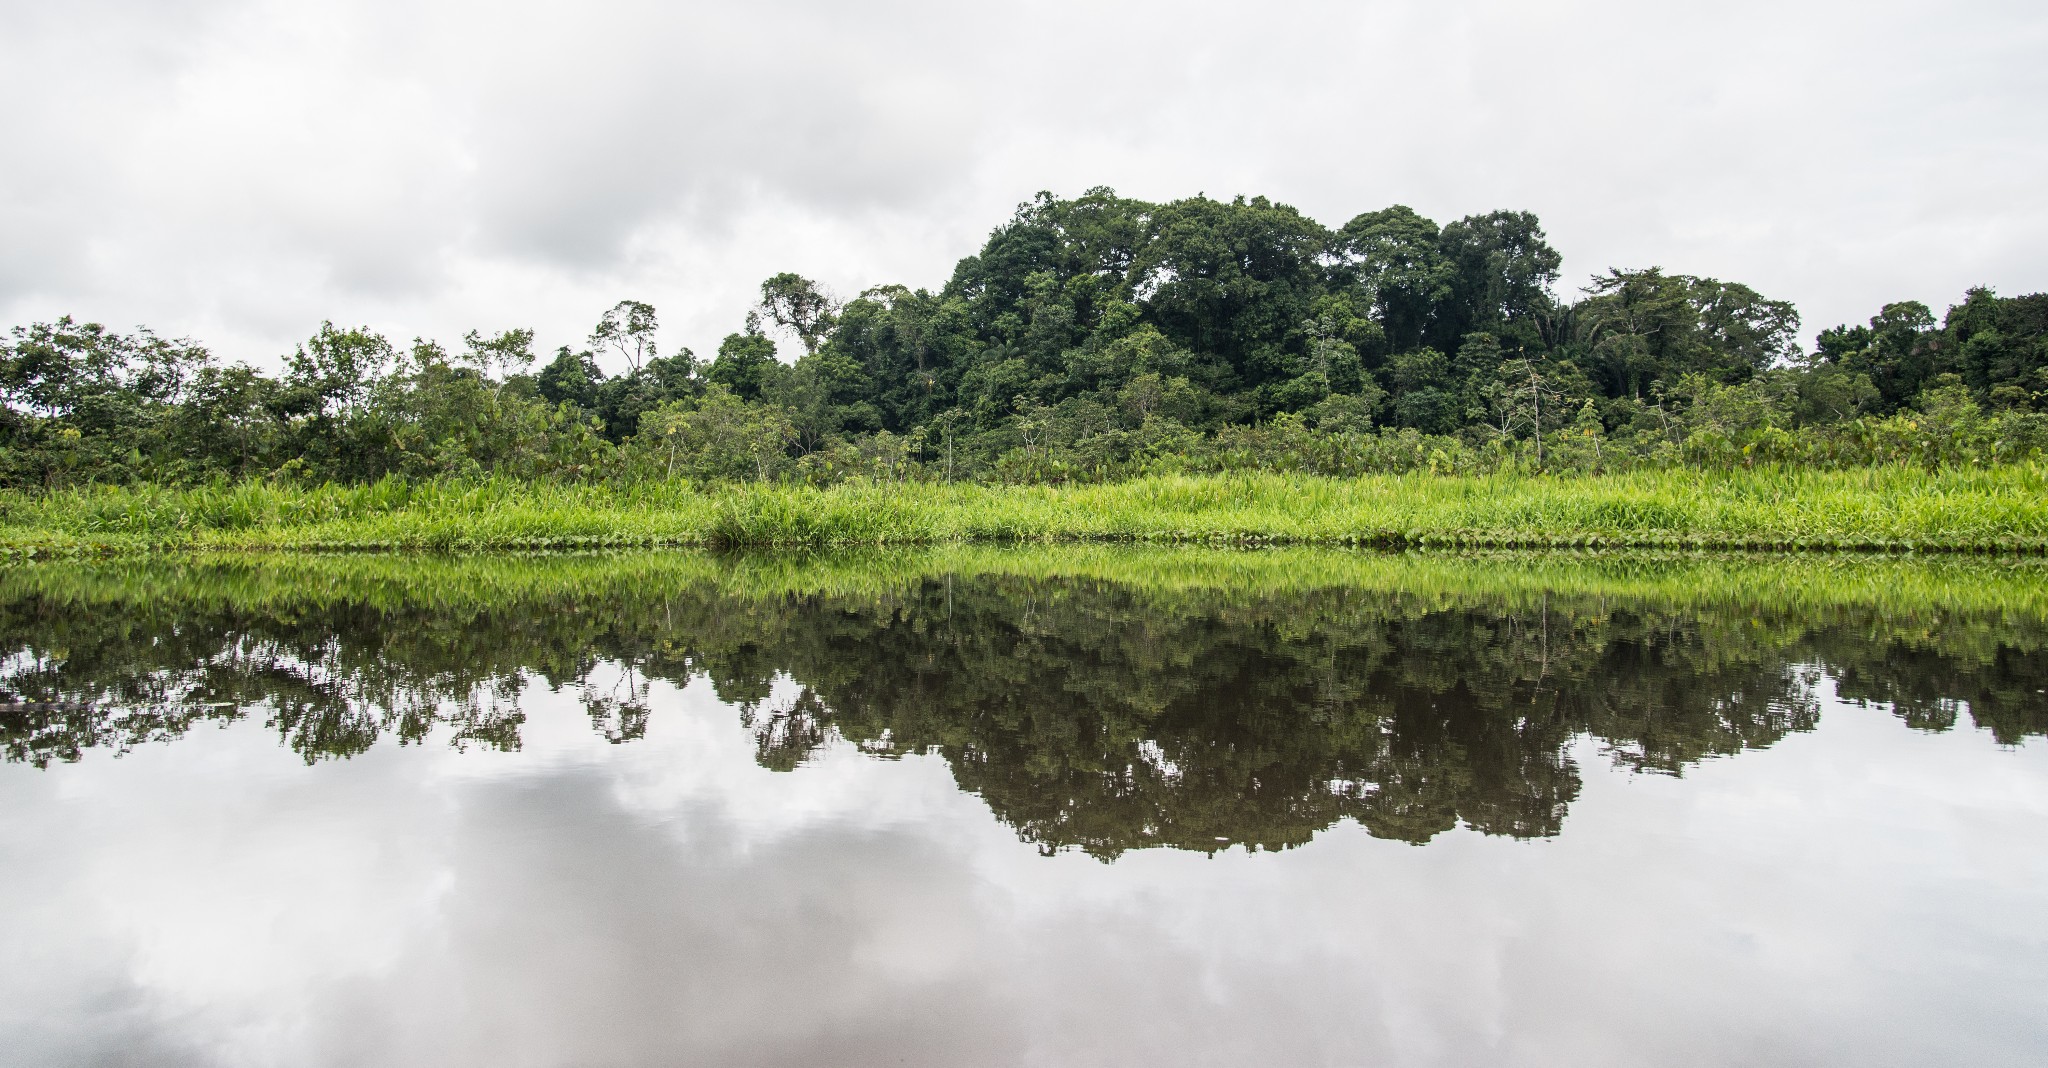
1092 714
1091 338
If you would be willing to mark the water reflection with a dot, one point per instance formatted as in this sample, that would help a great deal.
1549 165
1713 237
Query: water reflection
1094 700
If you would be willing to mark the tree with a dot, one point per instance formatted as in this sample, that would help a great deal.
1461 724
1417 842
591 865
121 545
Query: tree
2000 347
947 424
1425 394
1232 283
77 398
627 329
1397 258
899 354
1899 351
796 304
1086 338
1744 331
1501 271
1646 328
333 371
718 436
508 353
745 362
66 368
572 378
1521 394
1332 360
229 422
828 391
441 417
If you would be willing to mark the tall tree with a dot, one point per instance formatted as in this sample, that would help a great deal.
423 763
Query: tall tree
571 377
1232 283
628 329
1646 329
745 362
1398 260
507 353
331 374
2000 347
1501 271
796 304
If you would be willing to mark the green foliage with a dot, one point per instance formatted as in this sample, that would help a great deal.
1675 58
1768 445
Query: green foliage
715 437
2001 348
571 378
628 329
1398 257
78 401
795 303
1501 271
1088 340
1643 330
745 363
1993 509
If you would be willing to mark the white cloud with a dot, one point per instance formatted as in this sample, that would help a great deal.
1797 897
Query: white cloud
240 170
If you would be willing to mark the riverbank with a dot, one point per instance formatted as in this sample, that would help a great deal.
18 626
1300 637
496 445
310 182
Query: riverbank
1987 510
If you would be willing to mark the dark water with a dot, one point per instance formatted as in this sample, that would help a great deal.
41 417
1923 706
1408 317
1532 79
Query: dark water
1178 808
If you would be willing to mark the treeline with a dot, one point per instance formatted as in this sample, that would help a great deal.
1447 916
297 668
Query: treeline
1091 338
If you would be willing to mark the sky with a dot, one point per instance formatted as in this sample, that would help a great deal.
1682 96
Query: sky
237 171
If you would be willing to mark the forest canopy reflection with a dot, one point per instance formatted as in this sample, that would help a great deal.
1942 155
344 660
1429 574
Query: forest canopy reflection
1099 699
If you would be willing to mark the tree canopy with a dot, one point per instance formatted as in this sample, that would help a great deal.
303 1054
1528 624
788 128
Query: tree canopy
1087 336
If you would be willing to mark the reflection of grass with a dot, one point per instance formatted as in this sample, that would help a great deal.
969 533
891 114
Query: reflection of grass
1764 585
1997 509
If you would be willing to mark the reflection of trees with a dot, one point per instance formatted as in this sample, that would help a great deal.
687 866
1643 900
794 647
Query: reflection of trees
1091 716
618 712
1928 683
785 737
1086 713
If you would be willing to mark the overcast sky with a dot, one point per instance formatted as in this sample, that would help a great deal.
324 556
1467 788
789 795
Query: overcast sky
238 170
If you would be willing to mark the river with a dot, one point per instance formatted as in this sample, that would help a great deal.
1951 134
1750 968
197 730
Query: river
1032 806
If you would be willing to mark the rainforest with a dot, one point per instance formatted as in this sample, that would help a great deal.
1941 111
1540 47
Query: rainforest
1097 339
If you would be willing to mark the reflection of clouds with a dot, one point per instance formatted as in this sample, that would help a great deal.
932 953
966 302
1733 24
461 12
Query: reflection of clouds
604 939
228 891
1848 896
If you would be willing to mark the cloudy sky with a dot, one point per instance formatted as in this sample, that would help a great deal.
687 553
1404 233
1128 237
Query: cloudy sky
238 170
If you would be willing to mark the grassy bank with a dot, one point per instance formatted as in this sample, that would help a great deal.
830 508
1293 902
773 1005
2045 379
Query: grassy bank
2002 509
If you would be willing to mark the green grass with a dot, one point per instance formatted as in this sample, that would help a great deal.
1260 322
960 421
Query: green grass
2002 509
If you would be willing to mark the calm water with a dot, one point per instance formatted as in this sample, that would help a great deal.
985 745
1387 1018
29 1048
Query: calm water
1180 808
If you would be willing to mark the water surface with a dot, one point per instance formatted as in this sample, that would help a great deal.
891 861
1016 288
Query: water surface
1026 807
